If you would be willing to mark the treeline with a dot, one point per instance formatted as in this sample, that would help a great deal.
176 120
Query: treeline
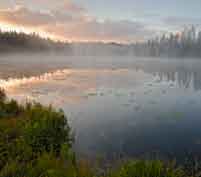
183 44
21 42
186 43
36 141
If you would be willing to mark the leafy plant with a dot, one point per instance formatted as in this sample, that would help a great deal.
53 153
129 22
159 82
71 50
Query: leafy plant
147 169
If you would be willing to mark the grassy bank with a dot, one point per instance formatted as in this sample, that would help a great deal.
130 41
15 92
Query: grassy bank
36 141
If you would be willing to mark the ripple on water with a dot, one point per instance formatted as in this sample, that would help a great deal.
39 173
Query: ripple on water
137 108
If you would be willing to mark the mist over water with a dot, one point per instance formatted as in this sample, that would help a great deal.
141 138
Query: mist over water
116 105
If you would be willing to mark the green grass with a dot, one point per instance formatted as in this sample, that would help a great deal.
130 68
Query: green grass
147 169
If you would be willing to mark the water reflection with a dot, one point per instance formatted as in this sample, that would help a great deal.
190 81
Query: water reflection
127 107
182 79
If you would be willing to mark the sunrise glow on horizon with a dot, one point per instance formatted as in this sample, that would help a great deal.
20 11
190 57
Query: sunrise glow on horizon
105 21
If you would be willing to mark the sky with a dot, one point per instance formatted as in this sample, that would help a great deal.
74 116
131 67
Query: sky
99 20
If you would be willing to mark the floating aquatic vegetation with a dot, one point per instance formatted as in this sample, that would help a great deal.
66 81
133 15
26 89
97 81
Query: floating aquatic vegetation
177 115
38 92
137 107
133 124
119 94
147 92
164 91
101 94
197 141
159 118
153 102
85 95
170 117
150 84
192 102
157 80
92 94
126 104
131 100
132 93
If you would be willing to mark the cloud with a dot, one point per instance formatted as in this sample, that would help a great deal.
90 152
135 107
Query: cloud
45 4
70 6
24 17
119 31
69 21
181 21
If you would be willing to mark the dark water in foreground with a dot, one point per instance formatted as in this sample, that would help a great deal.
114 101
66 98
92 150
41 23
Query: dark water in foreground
129 106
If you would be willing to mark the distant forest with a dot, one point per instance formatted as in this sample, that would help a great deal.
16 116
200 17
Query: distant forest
21 42
183 44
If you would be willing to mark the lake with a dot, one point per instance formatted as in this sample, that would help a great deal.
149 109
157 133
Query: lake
116 106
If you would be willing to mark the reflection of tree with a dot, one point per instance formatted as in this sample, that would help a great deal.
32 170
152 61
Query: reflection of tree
186 74
183 79
197 80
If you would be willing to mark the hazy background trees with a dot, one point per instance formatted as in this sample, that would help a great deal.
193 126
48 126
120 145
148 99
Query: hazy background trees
182 44
186 43
21 42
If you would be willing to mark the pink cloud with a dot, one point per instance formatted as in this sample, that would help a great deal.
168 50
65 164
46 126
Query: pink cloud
69 21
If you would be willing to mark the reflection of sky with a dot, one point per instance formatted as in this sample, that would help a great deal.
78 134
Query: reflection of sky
146 107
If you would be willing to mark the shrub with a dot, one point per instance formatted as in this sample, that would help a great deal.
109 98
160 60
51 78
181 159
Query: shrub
46 129
47 165
13 169
2 95
27 133
147 169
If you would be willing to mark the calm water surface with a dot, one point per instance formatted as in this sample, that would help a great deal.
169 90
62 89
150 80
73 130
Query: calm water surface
116 105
